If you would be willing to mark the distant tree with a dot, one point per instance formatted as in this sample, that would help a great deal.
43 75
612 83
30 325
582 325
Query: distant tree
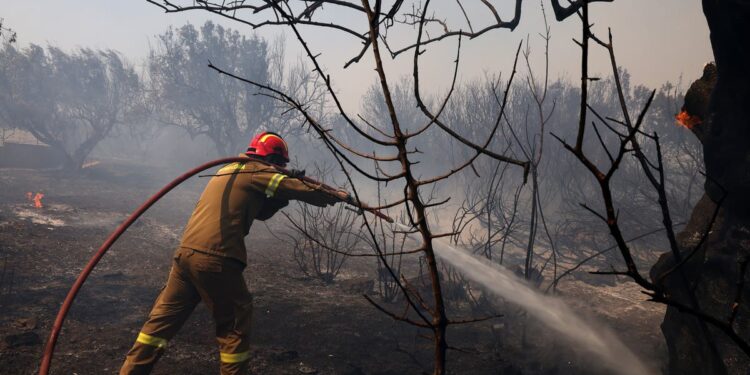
7 35
196 99
70 101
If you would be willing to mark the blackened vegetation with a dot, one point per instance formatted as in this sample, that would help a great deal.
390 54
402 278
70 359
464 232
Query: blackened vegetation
298 323
702 279
630 139
395 155
708 325
715 262
323 239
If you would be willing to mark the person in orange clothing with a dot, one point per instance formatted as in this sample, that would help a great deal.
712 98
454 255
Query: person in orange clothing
209 262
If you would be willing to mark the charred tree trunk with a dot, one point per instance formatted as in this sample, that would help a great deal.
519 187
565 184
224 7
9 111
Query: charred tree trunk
715 269
78 157
439 317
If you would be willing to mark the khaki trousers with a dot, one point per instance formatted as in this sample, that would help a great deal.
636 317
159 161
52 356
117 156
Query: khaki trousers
195 277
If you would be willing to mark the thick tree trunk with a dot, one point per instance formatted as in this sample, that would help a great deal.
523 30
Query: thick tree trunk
727 144
713 271
78 157
693 346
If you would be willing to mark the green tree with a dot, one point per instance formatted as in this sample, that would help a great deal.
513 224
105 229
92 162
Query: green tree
70 101
194 98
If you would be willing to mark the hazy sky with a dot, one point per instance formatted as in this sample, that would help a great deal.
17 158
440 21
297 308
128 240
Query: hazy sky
657 41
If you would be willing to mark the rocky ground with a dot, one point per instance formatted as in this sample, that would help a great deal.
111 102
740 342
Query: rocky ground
301 325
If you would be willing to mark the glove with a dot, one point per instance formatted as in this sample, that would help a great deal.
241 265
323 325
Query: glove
297 173
346 197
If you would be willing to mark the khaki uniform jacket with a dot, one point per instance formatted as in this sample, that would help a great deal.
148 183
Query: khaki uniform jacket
234 197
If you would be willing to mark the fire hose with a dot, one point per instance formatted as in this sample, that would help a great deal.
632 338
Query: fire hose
68 302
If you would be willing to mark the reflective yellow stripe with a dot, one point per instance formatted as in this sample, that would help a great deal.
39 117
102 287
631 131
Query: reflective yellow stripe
274 184
233 167
234 357
151 340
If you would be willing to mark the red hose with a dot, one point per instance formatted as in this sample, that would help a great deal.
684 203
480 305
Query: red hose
52 340
55 332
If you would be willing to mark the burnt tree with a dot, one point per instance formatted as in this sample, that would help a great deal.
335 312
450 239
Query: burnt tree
390 147
717 109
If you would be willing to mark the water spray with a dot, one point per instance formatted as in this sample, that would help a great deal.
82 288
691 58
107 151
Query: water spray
68 302
549 310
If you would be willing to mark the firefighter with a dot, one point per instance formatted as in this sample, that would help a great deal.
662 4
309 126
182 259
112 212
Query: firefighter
209 262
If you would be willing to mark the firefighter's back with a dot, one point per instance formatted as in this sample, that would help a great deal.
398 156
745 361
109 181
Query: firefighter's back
223 215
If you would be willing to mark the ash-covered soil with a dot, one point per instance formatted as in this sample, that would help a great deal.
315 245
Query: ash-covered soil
301 325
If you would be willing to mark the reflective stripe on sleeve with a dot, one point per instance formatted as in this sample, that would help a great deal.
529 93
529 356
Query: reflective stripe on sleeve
274 184
234 357
151 340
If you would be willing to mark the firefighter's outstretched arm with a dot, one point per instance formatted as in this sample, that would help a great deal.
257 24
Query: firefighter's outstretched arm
279 185
276 183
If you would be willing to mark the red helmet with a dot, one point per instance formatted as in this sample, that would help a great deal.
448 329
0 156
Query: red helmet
268 143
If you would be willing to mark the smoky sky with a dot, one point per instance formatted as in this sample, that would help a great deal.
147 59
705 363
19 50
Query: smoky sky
656 41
